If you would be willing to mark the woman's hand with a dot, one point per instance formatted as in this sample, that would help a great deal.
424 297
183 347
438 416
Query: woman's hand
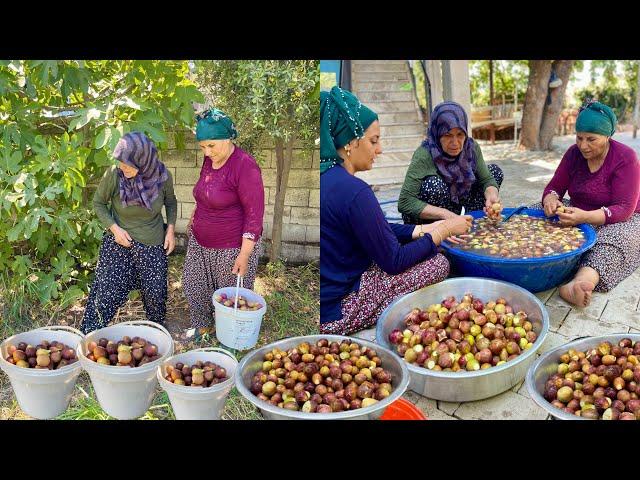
170 239
572 216
122 237
492 198
241 265
550 204
457 228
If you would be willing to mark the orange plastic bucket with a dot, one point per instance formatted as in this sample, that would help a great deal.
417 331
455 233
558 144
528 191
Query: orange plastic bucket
403 409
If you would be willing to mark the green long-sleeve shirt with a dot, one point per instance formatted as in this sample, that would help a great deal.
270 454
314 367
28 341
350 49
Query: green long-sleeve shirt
421 167
144 226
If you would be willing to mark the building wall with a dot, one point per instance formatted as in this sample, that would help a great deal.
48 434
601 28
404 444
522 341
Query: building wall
301 219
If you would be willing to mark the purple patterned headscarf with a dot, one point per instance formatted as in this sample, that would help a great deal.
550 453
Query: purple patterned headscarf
457 171
137 150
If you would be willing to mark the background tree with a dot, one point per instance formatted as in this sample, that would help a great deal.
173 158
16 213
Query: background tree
539 116
59 122
270 100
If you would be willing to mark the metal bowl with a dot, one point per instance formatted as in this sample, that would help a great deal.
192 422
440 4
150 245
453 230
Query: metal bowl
252 362
547 364
466 386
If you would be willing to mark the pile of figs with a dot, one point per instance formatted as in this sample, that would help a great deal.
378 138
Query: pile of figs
322 377
200 374
243 303
465 335
521 237
126 352
601 383
44 356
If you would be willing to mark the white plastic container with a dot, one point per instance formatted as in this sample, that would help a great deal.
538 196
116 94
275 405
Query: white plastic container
235 328
43 394
123 392
190 403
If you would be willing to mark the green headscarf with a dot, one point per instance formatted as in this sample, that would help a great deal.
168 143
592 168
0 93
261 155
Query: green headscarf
342 118
596 117
213 124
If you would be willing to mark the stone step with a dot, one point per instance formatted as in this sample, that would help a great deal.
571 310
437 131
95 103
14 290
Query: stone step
398 117
364 66
388 107
380 86
408 128
379 76
378 62
384 175
378 96
401 142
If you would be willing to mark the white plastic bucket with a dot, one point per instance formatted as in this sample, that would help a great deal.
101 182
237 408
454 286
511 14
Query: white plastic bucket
190 403
124 392
235 328
43 394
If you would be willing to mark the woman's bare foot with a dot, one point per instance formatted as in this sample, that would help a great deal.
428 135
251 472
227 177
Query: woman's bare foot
577 292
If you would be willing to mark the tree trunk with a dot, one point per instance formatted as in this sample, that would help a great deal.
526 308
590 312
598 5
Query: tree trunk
491 82
284 155
552 112
539 73
636 110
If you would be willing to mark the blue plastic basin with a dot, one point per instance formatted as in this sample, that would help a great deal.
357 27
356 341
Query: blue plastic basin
534 274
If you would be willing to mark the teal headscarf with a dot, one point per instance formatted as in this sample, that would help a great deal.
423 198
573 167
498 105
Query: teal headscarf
213 124
596 117
342 118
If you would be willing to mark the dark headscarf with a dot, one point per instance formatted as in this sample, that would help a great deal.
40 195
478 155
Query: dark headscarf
342 118
596 117
214 124
137 150
457 171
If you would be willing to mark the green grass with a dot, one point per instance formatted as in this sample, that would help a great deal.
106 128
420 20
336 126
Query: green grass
293 309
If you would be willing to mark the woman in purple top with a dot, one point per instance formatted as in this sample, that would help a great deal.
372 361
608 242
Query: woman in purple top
226 225
602 177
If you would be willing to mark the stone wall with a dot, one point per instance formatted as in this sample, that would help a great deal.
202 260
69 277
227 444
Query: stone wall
301 221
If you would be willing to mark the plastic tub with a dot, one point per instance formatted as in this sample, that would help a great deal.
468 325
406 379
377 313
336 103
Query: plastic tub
43 394
238 329
124 392
190 403
534 274
403 409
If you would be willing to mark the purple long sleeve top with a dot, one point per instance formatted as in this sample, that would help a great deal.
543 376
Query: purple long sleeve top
353 235
615 187
229 202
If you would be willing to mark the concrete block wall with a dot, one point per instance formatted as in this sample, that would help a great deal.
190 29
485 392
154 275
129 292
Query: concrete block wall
301 217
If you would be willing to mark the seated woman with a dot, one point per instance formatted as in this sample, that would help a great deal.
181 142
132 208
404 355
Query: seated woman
365 262
447 172
602 177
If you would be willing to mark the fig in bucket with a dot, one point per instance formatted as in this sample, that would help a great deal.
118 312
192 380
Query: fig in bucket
243 303
200 374
55 357
126 352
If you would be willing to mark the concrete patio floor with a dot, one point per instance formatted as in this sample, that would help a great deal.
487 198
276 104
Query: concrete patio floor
617 311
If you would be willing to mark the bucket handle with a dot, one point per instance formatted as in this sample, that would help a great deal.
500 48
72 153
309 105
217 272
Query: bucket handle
148 323
215 349
239 283
63 328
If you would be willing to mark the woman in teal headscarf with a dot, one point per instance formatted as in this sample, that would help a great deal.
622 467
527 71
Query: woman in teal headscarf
365 262
602 177
226 224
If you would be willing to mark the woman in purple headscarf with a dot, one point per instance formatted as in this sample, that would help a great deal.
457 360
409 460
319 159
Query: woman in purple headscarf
133 254
447 172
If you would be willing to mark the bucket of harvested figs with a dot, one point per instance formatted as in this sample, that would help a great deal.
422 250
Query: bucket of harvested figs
321 377
595 378
43 367
529 250
239 313
198 382
464 339
121 361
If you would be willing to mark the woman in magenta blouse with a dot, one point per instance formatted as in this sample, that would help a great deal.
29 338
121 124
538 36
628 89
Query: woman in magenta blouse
226 225
602 177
